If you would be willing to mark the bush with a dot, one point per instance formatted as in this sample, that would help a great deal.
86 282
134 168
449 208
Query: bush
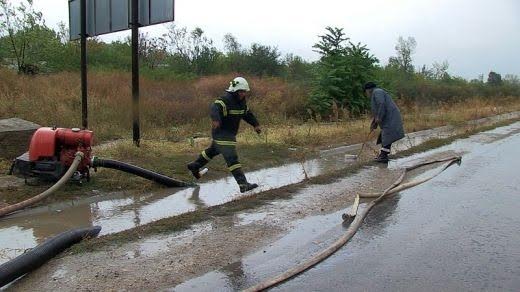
341 73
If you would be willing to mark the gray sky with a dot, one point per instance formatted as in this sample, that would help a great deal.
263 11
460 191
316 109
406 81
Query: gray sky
474 36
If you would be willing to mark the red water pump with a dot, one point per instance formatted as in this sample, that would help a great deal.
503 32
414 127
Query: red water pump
52 151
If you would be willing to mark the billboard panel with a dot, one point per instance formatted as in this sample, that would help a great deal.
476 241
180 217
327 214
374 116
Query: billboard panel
144 12
119 20
75 18
102 21
161 11
106 16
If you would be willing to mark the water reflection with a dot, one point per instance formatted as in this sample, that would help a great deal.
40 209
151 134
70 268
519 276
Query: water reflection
381 216
195 198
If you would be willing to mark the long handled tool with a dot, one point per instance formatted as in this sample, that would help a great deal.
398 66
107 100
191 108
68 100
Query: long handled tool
367 140
363 145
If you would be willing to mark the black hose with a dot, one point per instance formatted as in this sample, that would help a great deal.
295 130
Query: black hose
36 257
144 173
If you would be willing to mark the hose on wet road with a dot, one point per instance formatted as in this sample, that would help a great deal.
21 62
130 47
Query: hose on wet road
397 186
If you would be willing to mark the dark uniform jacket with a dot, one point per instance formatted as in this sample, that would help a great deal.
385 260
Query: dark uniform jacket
229 110
386 113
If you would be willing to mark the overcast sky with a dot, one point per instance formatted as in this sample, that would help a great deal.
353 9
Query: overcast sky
474 36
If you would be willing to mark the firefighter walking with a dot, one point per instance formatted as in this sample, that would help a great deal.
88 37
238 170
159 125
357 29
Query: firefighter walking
226 114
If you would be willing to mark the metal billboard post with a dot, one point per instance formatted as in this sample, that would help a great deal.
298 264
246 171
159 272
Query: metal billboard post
84 98
135 72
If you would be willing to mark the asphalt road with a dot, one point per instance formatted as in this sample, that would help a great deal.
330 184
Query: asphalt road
459 232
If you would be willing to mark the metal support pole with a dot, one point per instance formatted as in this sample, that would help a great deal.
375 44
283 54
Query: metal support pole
84 99
135 72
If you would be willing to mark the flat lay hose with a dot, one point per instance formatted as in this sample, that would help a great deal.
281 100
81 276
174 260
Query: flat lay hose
356 223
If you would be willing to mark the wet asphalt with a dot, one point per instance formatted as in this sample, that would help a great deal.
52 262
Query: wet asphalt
457 232
460 232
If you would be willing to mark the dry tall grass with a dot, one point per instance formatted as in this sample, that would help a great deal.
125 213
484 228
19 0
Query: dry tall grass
175 110
169 109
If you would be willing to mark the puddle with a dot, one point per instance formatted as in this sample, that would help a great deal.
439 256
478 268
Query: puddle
15 240
118 212
208 283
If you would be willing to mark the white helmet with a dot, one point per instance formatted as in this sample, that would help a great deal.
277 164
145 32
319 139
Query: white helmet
237 84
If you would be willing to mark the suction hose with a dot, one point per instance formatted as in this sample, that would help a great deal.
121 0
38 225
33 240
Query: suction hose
354 226
36 257
144 173
18 206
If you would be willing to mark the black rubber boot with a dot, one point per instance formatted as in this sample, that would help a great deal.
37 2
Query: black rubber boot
195 166
247 187
242 181
382 157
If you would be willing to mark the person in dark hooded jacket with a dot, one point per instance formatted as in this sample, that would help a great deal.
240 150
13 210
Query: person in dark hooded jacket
226 114
385 115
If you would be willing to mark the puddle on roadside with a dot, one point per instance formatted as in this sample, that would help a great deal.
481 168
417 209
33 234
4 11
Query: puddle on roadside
472 144
14 241
120 212
124 213
207 283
